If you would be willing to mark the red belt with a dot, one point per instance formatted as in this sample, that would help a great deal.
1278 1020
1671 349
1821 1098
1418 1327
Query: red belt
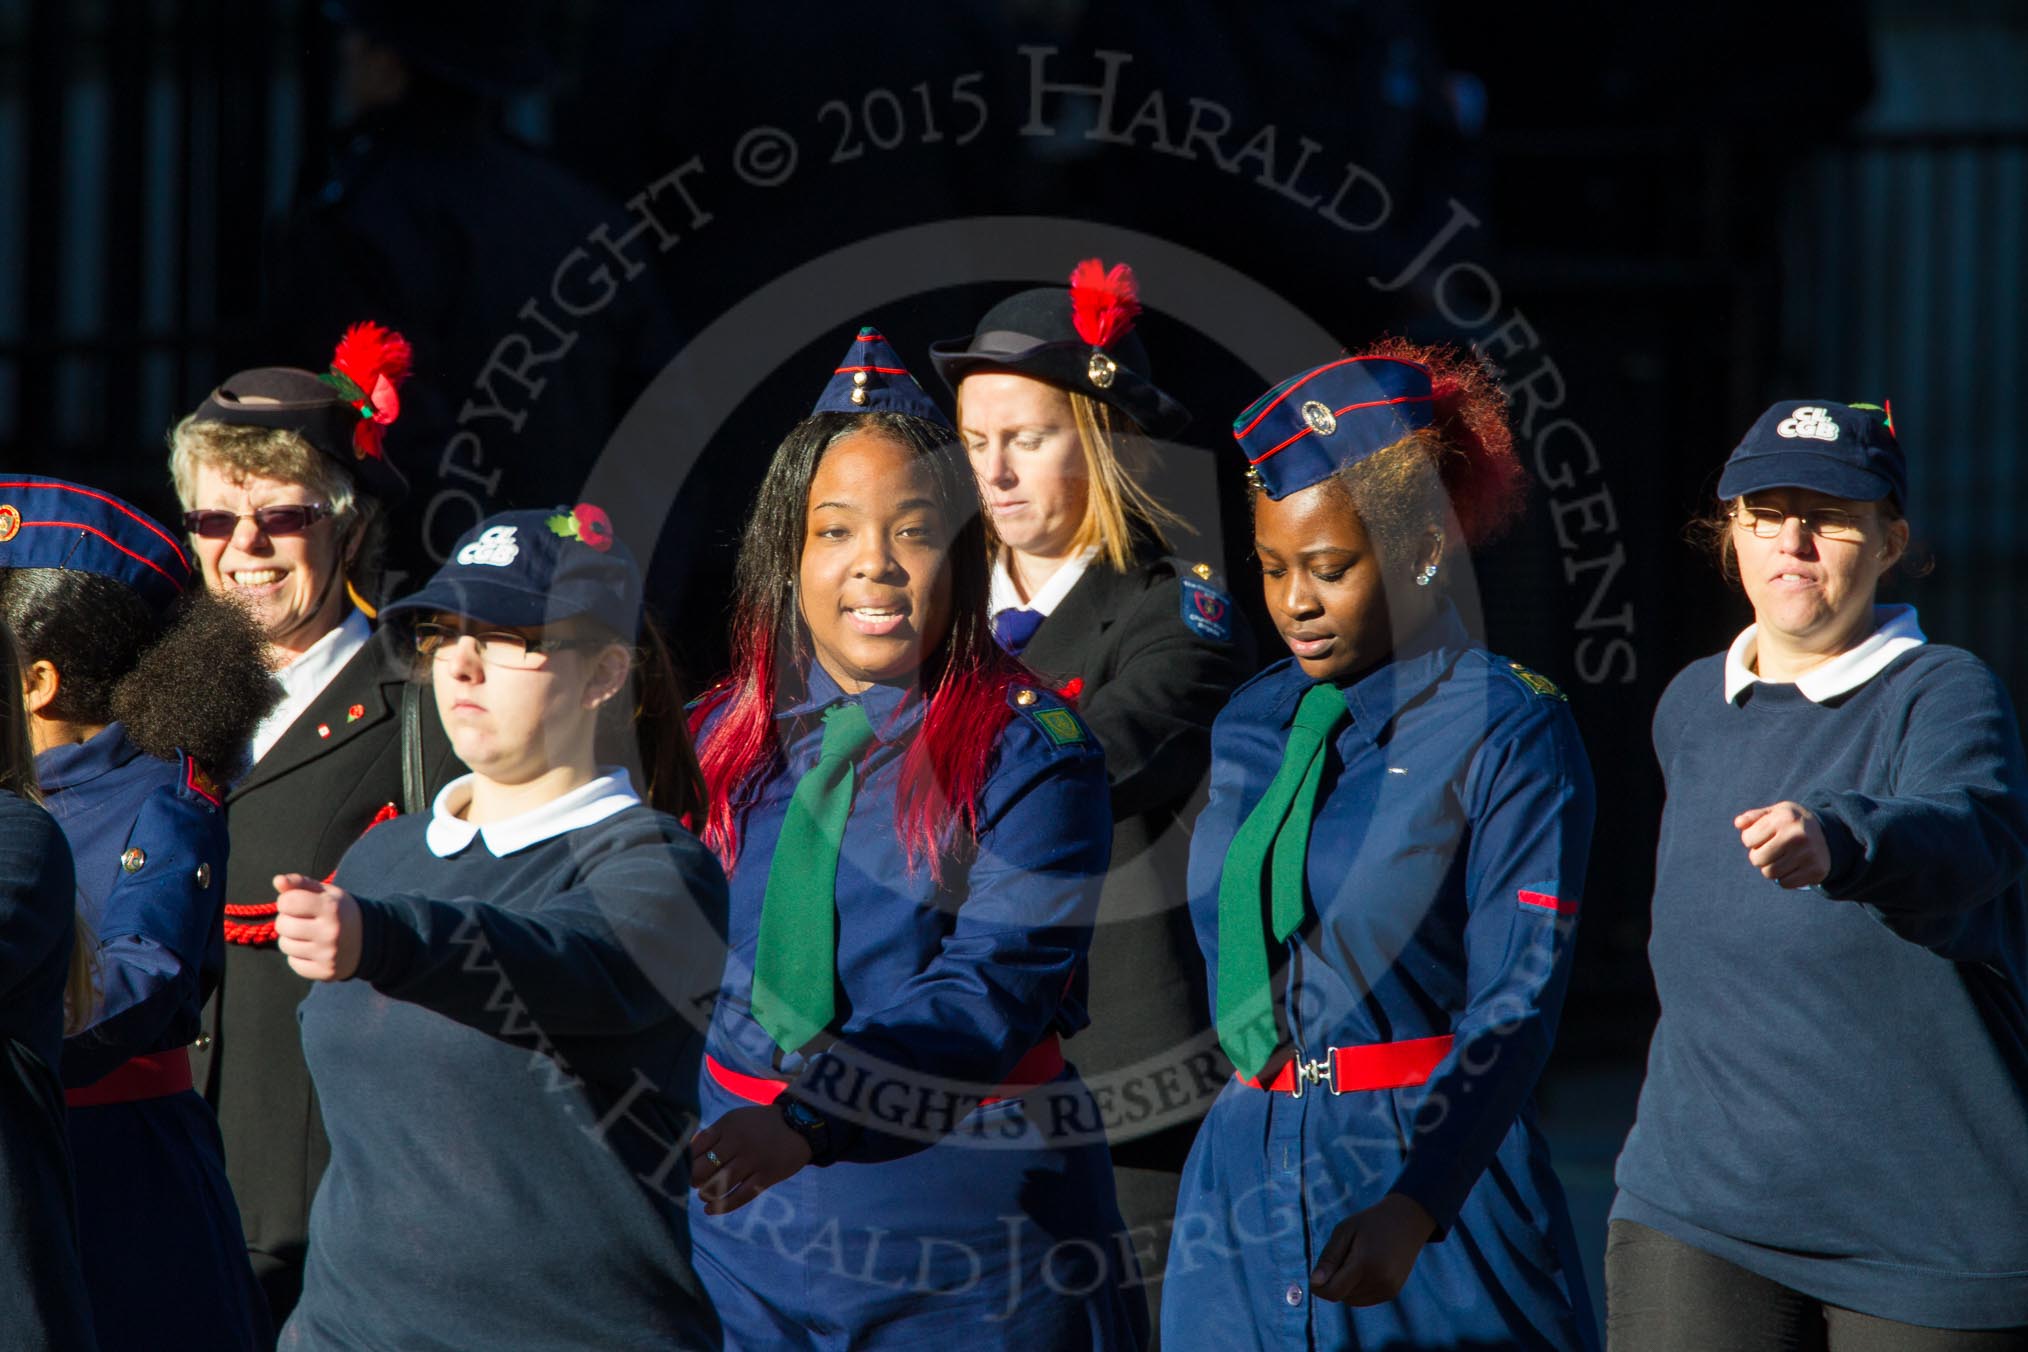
1347 1070
144 1077
1043 1063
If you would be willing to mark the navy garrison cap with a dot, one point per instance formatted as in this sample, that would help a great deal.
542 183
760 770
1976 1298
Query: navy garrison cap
1329 417
49 523
1844 450
531 568
872 379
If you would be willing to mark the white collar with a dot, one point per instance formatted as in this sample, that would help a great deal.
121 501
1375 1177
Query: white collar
586 805
305 678
1006 597
1895 631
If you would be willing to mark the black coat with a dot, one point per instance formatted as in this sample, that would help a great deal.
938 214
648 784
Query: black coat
43 1301
1150 686
297 811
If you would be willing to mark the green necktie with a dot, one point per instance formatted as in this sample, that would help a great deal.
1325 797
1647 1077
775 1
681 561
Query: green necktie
1274 837
795 966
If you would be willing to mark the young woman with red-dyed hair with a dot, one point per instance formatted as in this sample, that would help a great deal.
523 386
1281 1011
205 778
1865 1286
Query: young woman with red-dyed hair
1385 884
915 831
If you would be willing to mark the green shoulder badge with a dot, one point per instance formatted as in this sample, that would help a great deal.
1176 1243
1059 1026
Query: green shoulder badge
1537 682
1058 723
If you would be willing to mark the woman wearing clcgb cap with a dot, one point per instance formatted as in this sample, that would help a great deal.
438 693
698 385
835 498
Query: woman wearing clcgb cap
1831 1149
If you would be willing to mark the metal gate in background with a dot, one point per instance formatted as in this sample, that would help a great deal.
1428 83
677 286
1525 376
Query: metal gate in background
1902 280
144 144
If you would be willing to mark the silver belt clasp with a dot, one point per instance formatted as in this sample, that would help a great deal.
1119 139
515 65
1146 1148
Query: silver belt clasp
1317 1071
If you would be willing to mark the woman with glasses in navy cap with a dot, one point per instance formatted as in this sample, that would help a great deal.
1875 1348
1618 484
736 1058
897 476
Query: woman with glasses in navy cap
135 681
915 832
1386 885
498 1031
1831 1149
1055 407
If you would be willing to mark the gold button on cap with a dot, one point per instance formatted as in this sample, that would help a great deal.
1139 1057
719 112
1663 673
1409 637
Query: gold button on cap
1024 697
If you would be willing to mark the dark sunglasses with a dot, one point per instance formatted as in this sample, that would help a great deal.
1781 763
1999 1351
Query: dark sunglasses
293 519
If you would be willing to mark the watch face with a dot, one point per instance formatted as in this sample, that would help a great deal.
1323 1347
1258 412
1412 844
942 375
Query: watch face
801 1116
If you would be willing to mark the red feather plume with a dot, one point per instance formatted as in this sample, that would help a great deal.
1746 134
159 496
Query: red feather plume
1103 303
376 360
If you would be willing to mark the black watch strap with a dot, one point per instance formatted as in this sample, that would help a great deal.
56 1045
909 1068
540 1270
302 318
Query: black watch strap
812 1126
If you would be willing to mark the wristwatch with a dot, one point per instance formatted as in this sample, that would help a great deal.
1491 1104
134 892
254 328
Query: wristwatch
811 1125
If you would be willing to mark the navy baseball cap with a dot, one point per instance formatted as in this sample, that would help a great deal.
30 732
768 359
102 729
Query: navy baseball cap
873 379
534 568
51 523
1329 417
1844 450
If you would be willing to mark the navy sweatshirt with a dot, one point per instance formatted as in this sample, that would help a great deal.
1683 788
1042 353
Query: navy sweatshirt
509 1086
1837 1092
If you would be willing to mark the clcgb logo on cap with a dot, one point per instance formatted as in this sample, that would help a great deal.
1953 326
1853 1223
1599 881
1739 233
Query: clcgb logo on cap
1809 422
496 547
1320 418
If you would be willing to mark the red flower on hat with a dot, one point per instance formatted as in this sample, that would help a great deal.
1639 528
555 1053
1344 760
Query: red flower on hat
369 363
586 523
1103 303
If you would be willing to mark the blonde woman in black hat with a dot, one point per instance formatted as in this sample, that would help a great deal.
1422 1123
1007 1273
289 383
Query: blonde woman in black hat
1056 408
284 478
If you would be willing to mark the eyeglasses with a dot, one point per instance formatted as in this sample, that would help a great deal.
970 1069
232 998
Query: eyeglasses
1826 523
291 519
497 647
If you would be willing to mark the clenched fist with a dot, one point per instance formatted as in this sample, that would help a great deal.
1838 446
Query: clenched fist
1785 841
316 927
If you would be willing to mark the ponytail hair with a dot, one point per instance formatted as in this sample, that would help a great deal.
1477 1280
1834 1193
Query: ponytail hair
17 776
1470 439
650 731
193 679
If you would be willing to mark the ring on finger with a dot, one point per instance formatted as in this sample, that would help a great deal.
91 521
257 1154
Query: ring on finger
711 1157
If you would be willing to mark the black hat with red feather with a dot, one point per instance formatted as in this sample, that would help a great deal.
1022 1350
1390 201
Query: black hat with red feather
1081 338
344 413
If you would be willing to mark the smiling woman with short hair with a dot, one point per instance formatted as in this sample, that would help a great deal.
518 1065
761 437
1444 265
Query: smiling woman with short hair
1830 1141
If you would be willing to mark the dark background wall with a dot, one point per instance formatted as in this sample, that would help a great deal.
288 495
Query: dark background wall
1654 222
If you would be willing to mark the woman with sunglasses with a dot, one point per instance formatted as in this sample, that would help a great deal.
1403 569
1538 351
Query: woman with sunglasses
1830 1145
1386 885
285 481
135 681
498 1026
915 833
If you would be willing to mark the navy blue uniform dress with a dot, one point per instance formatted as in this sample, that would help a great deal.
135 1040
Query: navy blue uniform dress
507 1083
42 1291
164 1257
1446 857
943 1218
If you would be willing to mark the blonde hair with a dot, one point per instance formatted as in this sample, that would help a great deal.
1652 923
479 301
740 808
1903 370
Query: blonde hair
241 451
1117 455
17 776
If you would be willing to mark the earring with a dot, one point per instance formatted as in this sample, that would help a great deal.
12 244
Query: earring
1426 576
